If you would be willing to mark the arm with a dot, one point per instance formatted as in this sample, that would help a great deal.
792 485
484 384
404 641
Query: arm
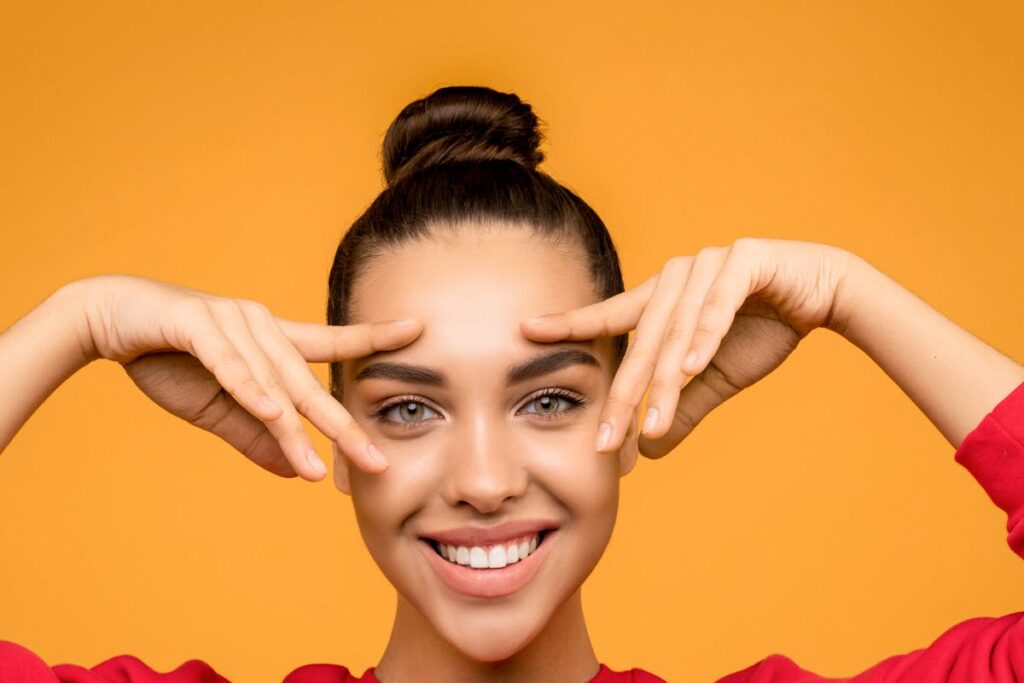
38 352
975 396
951 375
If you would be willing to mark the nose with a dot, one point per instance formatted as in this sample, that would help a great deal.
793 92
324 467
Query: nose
484 470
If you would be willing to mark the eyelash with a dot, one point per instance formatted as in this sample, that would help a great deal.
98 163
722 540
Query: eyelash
576 402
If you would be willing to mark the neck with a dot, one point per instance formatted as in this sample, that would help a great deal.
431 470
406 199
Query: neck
560 652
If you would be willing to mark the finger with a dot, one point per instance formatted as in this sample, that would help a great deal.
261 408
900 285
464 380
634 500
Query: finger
638 364
700 396
613 316
246 434
741 275
219 355
218 413
319 343
669 375
287 428
309 395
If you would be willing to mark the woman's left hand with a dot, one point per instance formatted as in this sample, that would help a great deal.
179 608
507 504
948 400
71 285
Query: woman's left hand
726 317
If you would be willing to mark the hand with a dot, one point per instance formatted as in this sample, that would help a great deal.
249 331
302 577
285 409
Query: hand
232 368
725 317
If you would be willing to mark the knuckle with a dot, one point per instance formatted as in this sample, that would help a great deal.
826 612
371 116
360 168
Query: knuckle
710 252
306 404
228 362
676 331
253 307
747 244
347 426
191 308
719 382
713 307
668 380
704 329
677 263
641 360
618 401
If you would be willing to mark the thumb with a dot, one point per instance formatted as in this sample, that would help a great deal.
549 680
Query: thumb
248 435
702 394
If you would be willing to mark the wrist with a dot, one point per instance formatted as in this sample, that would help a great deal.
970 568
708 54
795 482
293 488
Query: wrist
70 304
856 282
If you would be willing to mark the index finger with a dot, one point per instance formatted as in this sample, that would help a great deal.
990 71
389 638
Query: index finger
320 343
613 316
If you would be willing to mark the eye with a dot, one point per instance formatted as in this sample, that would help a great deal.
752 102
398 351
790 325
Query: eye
548 402
404 406
414 409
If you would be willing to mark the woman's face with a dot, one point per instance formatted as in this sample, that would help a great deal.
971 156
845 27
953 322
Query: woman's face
491 448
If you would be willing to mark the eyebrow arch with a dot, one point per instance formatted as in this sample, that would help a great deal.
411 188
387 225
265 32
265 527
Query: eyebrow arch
537 366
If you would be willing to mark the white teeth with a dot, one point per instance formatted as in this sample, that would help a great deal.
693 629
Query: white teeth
477 557
496 558
489 557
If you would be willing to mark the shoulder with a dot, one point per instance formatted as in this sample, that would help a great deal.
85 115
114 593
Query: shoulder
772 669
607 675
18 663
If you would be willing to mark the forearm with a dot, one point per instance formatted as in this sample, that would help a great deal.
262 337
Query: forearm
951 375
38 352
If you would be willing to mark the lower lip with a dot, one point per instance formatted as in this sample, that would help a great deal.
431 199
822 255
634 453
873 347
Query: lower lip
489 583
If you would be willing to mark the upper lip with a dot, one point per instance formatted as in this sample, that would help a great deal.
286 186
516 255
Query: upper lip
490 535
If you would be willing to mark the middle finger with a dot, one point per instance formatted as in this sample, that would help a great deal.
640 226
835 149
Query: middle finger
310 396
639 362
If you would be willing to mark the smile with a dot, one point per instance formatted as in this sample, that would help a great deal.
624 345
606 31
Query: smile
489 571
491 556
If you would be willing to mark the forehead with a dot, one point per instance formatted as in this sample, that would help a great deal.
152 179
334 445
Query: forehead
472 286
465 275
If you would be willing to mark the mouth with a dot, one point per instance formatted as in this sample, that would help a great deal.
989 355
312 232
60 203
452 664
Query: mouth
493 570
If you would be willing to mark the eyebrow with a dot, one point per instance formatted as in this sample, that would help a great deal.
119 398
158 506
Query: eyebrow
537 366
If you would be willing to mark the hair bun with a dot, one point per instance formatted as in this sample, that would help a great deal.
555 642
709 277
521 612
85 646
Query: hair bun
461 123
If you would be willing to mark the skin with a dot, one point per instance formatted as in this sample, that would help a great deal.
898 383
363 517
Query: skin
741 307
481 453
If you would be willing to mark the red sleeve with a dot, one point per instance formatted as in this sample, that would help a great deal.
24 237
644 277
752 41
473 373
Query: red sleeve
18 664
979 650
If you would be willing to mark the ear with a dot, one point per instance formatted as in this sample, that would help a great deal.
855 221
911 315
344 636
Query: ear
340 471
630 449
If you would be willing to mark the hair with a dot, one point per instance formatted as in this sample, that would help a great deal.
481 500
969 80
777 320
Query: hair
465 156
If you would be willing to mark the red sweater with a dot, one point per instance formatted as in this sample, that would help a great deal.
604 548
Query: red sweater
979 650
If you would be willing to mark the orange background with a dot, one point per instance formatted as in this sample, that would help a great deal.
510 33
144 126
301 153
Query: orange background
227 146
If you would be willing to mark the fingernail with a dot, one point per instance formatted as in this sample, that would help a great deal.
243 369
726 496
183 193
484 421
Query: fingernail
651 419
376 455
316 463
691 360
603 435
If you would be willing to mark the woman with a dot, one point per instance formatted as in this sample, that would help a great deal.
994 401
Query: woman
466 437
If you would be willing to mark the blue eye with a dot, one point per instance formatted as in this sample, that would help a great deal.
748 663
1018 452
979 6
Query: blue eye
409 406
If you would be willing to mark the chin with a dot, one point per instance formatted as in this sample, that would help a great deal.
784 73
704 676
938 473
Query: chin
491 635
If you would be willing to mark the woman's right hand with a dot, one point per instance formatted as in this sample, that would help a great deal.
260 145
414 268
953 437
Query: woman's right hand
231 367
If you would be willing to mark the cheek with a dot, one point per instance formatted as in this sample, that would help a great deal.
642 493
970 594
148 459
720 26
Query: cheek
566 464
383 502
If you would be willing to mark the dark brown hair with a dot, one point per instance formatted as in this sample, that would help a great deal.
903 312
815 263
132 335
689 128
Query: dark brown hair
468 155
